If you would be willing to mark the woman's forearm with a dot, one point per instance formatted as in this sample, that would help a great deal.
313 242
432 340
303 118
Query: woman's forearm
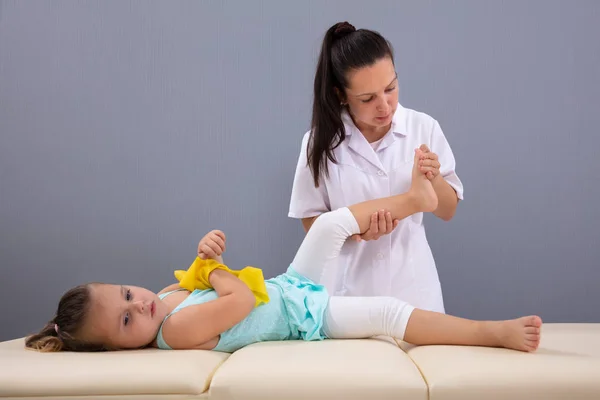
447 199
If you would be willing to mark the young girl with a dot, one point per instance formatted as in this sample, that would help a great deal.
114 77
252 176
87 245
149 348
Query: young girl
97 316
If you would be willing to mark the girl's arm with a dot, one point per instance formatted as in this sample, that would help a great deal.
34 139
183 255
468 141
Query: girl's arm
211 246
196 326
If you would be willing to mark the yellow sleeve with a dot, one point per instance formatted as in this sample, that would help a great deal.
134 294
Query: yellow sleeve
196 277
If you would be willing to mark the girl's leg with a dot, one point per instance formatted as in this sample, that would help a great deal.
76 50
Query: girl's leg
420 197
364 317
327 235
323 243
348 317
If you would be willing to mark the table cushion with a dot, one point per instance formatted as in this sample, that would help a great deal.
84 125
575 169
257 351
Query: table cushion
565 366
149 372
331 369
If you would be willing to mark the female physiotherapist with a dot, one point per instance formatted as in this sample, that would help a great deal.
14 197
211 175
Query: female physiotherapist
361 146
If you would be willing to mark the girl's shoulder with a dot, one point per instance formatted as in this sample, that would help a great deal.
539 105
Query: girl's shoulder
169 288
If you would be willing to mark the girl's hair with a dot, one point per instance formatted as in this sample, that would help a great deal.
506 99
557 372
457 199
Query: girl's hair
61 332
343 49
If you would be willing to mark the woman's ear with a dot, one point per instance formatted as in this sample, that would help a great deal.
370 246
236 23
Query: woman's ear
341 96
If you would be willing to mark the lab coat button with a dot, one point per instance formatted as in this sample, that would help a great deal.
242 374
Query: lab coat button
380 173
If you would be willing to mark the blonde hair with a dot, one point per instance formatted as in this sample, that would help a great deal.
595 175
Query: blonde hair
60 333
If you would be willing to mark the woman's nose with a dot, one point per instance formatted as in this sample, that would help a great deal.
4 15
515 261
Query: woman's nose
382 104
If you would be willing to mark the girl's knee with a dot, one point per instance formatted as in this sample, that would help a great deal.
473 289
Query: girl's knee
334 221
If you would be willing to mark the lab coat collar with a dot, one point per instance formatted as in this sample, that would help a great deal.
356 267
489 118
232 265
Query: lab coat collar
358 143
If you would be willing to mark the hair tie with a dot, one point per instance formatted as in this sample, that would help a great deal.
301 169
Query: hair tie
343 28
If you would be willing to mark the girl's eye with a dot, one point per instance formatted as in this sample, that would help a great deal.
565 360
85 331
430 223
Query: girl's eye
128 295
368 100
391 89
126 319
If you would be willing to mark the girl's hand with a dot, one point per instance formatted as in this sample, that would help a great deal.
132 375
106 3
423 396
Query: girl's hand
212 245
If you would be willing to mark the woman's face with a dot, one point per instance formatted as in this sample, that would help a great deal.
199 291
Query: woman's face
372 95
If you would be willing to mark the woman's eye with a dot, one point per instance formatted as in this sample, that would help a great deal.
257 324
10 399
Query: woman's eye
126 319
128 295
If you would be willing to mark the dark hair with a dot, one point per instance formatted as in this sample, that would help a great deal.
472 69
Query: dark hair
343 49
60 334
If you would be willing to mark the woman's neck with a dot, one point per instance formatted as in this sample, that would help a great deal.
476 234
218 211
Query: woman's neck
372 134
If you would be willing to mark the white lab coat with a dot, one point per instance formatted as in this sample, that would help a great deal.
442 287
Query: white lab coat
399 264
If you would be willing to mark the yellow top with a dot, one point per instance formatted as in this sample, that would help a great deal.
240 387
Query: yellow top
196 277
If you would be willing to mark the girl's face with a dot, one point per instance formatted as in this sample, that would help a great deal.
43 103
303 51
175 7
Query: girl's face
124 317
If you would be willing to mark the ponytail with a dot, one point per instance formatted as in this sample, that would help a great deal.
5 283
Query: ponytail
343 48
63 332
46 340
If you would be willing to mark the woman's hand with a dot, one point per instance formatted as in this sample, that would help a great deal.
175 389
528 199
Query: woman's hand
381 224
212 245
429 163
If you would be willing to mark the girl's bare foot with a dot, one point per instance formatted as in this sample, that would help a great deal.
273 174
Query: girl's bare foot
421 189
521 334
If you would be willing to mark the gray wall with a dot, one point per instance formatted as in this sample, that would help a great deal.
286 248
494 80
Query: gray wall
128 130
